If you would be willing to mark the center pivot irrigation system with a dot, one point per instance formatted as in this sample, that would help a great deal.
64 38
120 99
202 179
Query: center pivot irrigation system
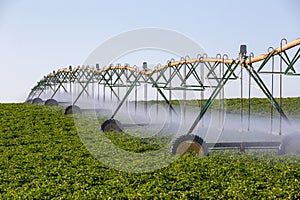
203 75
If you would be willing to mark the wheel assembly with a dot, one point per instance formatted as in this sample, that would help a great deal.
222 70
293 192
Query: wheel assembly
112 125
51 102
37 101
29 101
72 109
290 144
189 144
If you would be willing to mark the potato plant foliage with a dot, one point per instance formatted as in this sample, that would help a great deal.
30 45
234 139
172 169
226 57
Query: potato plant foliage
42 157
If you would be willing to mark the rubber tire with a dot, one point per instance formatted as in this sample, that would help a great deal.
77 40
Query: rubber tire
290 144
29 101
112 125
189 144
37 101
72 109
51 102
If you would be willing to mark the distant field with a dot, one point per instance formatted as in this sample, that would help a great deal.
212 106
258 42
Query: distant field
259 106
42 157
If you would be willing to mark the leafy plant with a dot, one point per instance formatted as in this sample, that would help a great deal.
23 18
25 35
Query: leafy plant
42 157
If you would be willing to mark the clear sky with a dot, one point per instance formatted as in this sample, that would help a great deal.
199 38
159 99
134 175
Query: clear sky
37 36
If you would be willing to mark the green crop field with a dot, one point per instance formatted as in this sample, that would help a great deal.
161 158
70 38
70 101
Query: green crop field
42 157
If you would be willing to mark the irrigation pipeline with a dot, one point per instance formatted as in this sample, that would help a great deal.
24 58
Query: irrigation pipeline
197 74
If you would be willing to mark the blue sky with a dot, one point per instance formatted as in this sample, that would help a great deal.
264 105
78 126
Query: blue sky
37 37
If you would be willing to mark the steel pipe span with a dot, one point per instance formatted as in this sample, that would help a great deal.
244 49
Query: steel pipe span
190 74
